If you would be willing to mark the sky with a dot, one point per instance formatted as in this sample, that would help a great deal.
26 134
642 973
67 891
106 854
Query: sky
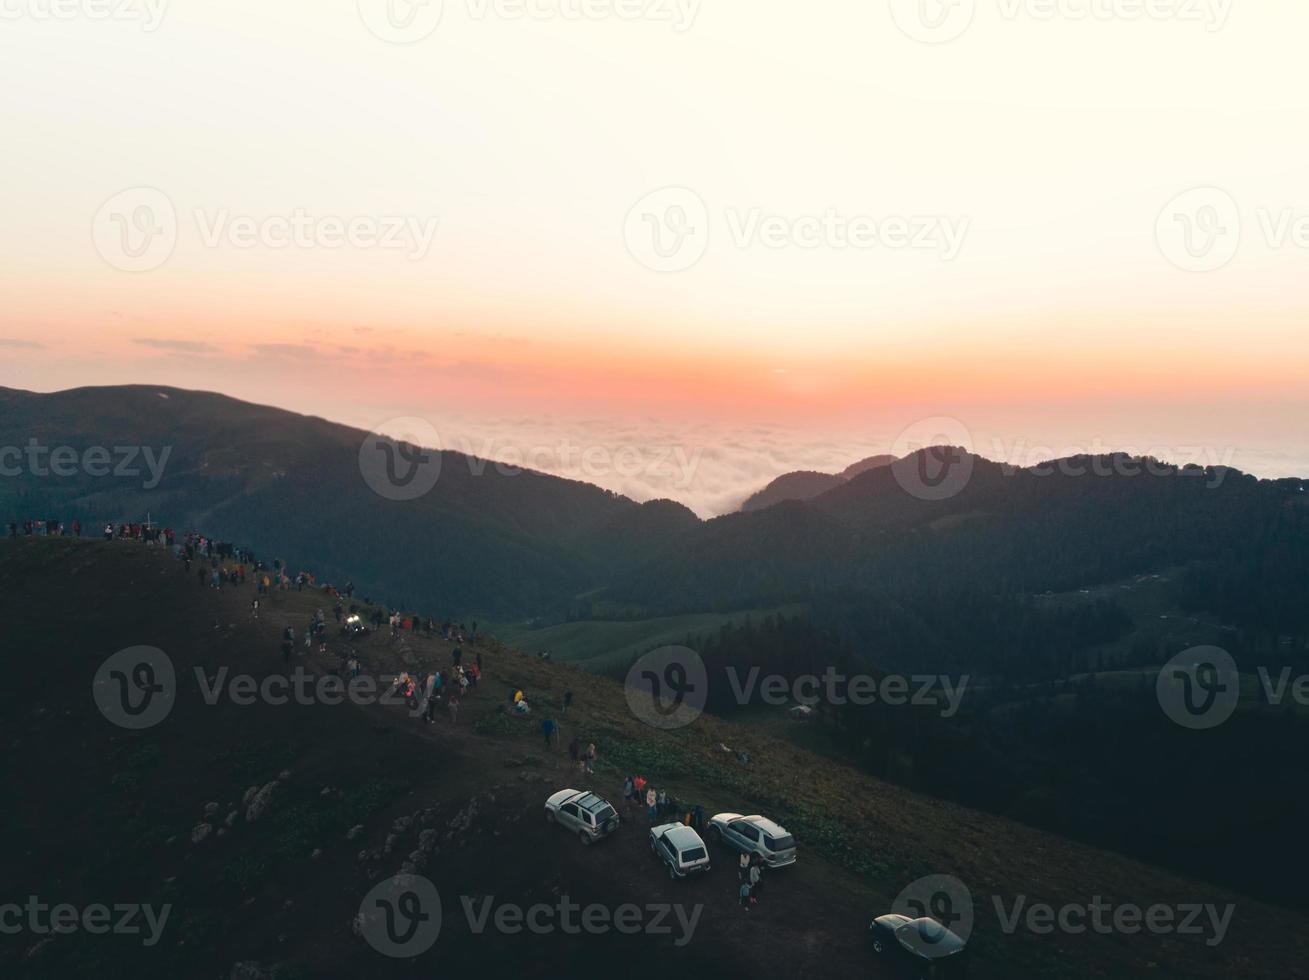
749 235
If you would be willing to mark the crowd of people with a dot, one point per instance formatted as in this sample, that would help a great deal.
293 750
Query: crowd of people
220 565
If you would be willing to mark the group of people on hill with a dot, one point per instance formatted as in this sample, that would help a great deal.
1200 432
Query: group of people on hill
448 686
49 527
44 528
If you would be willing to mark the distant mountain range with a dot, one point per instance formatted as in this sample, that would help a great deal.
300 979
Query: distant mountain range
807 484
512 547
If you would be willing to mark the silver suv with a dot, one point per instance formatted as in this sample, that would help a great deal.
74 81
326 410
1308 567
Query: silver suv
754 835
680 848
589 816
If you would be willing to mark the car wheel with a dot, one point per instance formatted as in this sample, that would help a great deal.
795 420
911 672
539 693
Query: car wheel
586 838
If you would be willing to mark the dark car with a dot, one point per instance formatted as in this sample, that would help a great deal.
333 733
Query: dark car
354 626
922 948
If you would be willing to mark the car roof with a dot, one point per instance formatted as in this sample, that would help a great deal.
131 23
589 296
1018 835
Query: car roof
682 837
921 935
769 827
591 802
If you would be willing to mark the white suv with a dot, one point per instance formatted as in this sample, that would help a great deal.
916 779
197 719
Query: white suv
680 849
591 817
754 835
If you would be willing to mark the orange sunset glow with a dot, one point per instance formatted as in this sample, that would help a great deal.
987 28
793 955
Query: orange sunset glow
754 222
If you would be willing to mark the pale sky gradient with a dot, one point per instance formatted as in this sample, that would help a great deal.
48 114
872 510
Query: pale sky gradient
1053 144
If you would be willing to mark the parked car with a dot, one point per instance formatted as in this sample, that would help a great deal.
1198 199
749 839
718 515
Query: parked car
754 835
589 816
354 626
680 849
922 948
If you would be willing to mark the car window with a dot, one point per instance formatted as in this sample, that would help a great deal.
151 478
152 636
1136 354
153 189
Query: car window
605 813
693 854
779 843
570 809
747 830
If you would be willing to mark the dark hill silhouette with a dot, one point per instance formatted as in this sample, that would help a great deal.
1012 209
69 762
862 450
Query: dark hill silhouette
485 543
807 484
481 540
